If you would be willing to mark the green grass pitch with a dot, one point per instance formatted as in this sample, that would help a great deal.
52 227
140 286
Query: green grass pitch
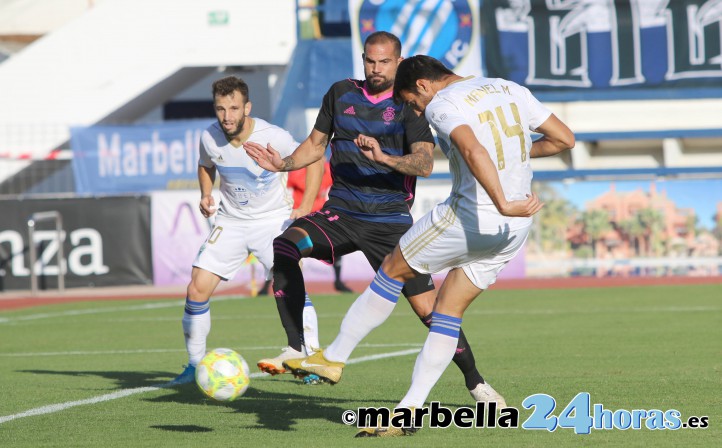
86 374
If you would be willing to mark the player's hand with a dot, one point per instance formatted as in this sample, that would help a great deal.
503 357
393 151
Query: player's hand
299 212
267 158
208 206
370 148
524 208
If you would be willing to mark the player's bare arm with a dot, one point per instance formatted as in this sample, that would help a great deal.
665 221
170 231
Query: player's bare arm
206 177
557 137
314 175
419 162
308 152
483 169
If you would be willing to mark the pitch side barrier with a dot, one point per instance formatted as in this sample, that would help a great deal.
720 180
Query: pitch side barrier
105 242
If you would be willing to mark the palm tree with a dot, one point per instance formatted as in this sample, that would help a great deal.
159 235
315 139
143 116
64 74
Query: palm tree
653 222
634 230
553 220
692 225
596 224
717 232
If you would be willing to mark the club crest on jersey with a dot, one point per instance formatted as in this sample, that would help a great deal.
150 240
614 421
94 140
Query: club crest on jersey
442 29
389 114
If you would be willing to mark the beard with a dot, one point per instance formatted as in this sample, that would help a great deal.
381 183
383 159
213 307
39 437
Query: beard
235 131
378 84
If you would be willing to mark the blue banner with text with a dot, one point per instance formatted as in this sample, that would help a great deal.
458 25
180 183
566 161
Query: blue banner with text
136 158
604 44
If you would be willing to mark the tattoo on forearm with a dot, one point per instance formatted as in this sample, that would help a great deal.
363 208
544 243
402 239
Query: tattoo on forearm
419 163
288 163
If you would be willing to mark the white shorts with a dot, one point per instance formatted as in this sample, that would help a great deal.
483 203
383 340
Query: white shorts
437 242
231 240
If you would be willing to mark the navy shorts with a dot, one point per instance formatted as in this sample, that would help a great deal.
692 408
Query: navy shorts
335 234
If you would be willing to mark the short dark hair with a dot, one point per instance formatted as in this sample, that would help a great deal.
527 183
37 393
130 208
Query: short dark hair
226 86
418 67
381 37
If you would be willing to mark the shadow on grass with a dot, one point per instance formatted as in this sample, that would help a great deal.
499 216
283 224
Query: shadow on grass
123 379
275 411
182 428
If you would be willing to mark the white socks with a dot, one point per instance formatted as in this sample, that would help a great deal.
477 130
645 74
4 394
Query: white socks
196 326
435 356
310 327
369 311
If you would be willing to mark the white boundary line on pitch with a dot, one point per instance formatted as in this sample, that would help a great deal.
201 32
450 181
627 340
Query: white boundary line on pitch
49 409
170 350
144 307
651 309
167 304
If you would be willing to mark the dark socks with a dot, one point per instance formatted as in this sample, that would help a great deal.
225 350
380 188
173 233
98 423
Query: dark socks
338 284
289 289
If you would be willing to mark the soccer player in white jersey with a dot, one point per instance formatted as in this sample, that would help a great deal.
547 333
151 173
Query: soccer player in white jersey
255 205
484 128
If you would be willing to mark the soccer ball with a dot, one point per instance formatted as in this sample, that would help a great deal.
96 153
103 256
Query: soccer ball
223 374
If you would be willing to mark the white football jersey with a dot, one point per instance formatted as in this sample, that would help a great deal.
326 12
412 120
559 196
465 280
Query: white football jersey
247 190
502 115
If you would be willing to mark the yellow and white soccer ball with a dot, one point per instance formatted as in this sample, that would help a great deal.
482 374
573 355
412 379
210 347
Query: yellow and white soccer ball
223 374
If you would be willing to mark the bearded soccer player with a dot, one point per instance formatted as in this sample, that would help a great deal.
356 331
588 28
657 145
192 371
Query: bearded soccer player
370 200
255 206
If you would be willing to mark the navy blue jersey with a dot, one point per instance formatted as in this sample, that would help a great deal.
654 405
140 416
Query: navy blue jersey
364 189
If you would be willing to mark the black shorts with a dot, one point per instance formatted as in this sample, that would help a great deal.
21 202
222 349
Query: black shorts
335 234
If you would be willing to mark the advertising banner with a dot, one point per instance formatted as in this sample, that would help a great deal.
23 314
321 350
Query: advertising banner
178 231
575 47
106 242
603 44
137 158
447 30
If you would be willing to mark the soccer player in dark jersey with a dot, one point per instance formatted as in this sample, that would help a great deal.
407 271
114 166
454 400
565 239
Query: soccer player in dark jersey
369 202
